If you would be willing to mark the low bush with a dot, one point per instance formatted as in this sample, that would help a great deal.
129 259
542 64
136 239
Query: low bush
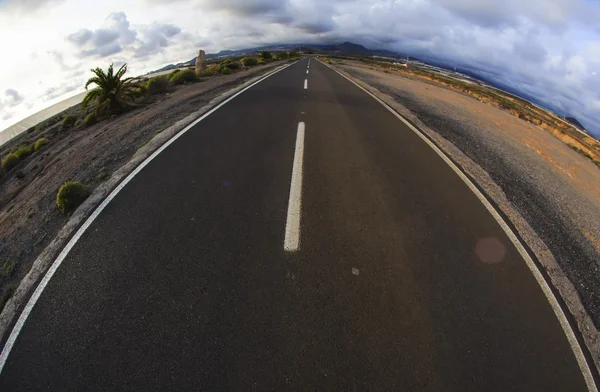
229 63
249 61
7 268
23 152
283 55
90 119
173 73
261 62
71 195
157 85
225 71
292 55
212 70
68 121
10 161
40 143
265 55
185 76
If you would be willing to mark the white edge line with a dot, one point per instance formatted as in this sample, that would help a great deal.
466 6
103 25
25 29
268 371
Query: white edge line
558 311
292 224
305 84
63 254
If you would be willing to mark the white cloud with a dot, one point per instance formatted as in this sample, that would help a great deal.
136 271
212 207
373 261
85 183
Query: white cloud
546 49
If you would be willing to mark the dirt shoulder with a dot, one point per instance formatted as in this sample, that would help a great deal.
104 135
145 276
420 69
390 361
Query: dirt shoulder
29 218
549 192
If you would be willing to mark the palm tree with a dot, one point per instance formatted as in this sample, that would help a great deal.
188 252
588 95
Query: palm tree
111 91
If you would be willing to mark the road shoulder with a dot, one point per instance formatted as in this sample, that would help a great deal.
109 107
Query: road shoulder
555 275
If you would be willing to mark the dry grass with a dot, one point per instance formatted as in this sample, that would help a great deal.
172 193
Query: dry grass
522 109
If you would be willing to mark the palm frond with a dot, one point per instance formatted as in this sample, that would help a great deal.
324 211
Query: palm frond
93 95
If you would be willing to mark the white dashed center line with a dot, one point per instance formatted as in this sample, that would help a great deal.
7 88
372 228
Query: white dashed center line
305 84
292 226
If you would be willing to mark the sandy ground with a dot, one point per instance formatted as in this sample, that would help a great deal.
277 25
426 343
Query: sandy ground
29 218
553 188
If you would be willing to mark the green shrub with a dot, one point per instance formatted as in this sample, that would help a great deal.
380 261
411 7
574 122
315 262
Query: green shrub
90 119
157 85
249 61
230 64
260 62
71 195
40 143
225 71
23 152
69 120
185 76
212 70
292 55
265 55
7 268
283 55
10 161
173 73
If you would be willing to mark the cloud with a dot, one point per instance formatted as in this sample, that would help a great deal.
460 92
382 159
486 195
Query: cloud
117 36
80 37
13 98
154 38
546 50
8 101
24 6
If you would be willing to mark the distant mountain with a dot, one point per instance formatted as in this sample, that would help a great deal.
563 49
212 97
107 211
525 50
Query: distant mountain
574 121
343 49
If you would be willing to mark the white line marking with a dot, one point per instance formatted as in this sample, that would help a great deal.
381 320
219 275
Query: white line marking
305 84
40 288
292 225
558 311
307 71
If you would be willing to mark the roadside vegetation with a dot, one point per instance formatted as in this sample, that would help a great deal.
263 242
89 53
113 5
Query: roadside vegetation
112 92
12 159
71 195
520 108
46 172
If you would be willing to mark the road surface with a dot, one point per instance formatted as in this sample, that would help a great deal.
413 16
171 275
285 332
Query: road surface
300 238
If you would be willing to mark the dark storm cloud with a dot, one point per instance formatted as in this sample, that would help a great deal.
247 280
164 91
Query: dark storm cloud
246 7
315 27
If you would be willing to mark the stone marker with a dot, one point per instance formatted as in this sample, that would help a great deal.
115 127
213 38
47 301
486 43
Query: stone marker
200 63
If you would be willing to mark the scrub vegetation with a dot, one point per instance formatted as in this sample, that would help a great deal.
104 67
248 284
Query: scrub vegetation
71 195
516 106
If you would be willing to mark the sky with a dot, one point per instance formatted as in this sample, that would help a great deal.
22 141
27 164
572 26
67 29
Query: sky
548 49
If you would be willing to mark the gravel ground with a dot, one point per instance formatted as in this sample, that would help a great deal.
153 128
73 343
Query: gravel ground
29 218
552 187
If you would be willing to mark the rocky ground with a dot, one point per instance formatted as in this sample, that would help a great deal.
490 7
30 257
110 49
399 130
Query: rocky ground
29 218
554 188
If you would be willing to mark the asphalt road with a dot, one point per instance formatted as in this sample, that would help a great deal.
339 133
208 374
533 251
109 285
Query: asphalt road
402 279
